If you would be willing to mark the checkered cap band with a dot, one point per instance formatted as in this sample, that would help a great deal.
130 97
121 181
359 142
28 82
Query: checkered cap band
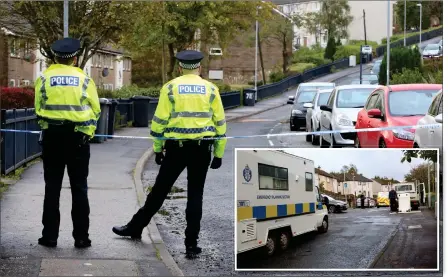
69 55
190 66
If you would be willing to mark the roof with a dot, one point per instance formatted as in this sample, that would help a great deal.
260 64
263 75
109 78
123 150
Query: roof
360 178
316 83
323 173
402 87
357 86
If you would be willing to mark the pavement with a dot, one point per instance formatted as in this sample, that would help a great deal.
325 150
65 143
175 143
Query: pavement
113 200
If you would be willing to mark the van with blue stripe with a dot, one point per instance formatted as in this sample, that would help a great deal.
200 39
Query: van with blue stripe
277 199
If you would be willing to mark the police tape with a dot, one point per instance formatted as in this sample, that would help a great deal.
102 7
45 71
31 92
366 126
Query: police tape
394 128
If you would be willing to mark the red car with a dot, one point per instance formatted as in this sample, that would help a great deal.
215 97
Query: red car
392 106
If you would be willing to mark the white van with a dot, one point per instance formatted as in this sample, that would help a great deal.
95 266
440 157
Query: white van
276 199
417 192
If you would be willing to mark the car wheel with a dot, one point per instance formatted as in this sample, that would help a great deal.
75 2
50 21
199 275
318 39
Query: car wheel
308 137
332 209
333 143
271 245
315 138
291 127
323 143
382 144
324 227
284 240
357 143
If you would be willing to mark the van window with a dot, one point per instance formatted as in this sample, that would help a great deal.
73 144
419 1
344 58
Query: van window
308 182
403 188
272 178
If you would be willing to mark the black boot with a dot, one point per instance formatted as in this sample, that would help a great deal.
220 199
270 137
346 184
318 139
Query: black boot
83 243
47 242
193 250
127 231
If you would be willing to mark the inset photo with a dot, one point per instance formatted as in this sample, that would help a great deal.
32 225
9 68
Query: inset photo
337 209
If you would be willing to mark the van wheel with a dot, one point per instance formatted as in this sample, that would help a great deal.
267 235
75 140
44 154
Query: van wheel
332 209
284 240
324 227
271 245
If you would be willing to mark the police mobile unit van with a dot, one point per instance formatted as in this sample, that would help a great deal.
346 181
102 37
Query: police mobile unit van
416 191
276 200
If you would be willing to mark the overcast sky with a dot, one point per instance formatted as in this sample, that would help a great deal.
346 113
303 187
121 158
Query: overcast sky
384 162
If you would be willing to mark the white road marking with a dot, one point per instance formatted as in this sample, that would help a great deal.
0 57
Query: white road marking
88 275
270 132
414 227
87 264
271 143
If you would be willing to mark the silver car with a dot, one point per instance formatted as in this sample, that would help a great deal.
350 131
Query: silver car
341 112
307 86
431 137
376 67
313 114
432 50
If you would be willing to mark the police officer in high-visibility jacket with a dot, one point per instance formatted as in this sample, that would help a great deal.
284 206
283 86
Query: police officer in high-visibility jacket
68 108
189 109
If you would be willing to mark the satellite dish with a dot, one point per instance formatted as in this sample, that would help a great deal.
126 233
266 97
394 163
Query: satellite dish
105 72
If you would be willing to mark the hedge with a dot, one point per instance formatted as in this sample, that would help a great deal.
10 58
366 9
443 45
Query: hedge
16 97
400 58
398 37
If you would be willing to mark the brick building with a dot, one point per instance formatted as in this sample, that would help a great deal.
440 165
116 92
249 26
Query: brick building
22 63
235 64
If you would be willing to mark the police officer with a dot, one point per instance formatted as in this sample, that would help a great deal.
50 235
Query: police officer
189 109
68 108
393 200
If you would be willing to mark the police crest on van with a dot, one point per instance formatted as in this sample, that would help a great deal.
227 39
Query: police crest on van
247 173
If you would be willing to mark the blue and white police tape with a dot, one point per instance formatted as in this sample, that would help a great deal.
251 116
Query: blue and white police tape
428 126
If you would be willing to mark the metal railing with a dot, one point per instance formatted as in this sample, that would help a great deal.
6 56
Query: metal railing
269 90
17 149
415 39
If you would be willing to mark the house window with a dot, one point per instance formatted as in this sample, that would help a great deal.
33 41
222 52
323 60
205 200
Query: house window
13 47
308 182
272 178
26 82
12 83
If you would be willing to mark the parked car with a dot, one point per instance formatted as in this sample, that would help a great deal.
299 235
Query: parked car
340 113
376 67
393 106
441 44
431 137
306 86
297 120
313 114
356 81
368 202
432 50
335 205
373 79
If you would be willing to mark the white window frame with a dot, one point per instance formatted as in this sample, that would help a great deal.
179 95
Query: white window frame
13 43
12 83
26 82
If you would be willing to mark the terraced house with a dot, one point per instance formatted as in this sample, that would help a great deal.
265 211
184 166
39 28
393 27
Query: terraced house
21 63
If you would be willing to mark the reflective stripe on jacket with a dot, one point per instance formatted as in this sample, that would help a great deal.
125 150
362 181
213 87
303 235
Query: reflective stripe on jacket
66 93
189 108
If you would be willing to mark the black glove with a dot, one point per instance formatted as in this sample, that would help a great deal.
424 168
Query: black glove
216 163
159 158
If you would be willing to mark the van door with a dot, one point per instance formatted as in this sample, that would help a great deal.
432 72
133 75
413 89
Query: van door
422 193
321 210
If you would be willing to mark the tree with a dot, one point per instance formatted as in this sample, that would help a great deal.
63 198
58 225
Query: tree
280 29
430 9
183 25
330 50
350 169
335 18
312 23
400 58
420 173
94 23
429 155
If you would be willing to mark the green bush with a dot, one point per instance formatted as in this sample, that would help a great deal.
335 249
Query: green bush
276 76
330 50
318 61
105 93
362 42
398 37
400 58
223 87
259 83
434 78
346 51
314 55
432 65
407 76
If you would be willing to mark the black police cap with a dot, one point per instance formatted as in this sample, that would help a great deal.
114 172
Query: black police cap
66 48
189 59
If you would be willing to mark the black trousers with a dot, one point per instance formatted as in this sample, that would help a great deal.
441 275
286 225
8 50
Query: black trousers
61 147
196 157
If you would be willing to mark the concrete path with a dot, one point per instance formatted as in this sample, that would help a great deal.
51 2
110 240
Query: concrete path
113 200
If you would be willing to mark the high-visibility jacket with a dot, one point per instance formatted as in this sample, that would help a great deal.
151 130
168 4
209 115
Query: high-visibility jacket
189 108
66 93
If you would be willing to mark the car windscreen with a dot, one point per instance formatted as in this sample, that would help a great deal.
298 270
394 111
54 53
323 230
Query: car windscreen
376 68
432 47
369 77
410 102
323 98
306 96
403 188
353 98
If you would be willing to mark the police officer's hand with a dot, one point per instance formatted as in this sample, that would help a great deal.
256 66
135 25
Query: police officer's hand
159 158
216 163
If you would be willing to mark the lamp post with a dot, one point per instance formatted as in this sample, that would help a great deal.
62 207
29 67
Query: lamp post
388 43
256 56
404 23
420 5
65 18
